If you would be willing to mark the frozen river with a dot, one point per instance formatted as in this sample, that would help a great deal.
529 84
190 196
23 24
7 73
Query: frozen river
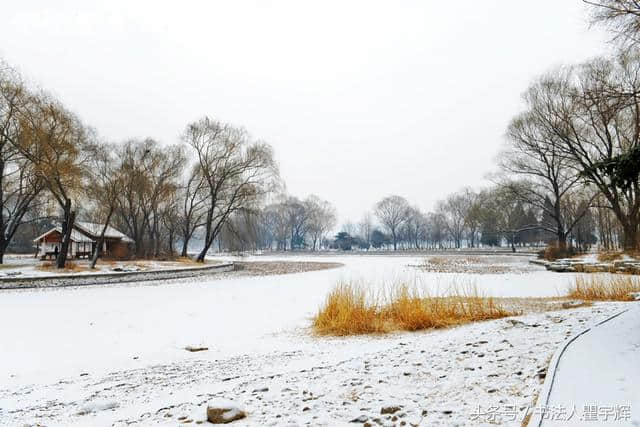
51 333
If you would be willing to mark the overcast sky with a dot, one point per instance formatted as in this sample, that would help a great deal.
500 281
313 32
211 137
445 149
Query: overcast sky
360 99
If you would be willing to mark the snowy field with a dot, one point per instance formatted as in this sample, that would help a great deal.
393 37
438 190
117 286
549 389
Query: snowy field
115 354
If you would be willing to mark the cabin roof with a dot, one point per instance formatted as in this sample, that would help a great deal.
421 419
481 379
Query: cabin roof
76 236
94 230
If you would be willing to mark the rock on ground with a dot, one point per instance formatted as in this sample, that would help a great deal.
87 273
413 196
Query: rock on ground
223 411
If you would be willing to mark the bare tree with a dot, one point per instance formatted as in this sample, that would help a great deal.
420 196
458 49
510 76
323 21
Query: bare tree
322 218
170 220
298 220
454 211
510 216
193 196
473 218
392 213
54 141
593 113
366 228
152 174
415 227
163 167
545 172
621 17
237 172
277 222
437 225
19 183
106 181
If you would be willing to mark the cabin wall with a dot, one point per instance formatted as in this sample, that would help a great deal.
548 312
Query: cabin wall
119 250
49 242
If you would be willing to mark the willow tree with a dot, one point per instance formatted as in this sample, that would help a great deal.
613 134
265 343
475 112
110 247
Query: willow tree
392 213
19 184
238 172
55 142
106 178
152 175
322 218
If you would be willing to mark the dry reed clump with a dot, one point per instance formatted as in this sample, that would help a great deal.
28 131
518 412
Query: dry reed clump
349 310
609 256
604 288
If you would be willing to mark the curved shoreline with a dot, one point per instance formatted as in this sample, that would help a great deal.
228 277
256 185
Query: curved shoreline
64 280
240 268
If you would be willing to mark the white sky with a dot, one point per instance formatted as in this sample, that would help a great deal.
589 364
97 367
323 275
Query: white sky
360 99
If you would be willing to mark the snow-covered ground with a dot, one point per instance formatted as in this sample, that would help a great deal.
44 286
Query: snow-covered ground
116 352
25 266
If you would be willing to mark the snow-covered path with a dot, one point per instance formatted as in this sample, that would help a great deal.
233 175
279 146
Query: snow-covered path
598 376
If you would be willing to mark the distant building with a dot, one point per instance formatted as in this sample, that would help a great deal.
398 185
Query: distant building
84 238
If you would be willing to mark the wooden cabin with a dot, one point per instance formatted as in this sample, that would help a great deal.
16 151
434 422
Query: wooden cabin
84 238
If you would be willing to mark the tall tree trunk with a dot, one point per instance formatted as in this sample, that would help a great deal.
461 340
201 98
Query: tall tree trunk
205 249
3 248
100 242
171 236
208 241
67 227
292 237
186 236
185 244
630 234
209 236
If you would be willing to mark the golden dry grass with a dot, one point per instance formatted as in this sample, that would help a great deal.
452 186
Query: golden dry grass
69 267
604 288
350 310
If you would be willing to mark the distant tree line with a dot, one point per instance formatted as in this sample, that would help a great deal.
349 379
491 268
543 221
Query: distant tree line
487 218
